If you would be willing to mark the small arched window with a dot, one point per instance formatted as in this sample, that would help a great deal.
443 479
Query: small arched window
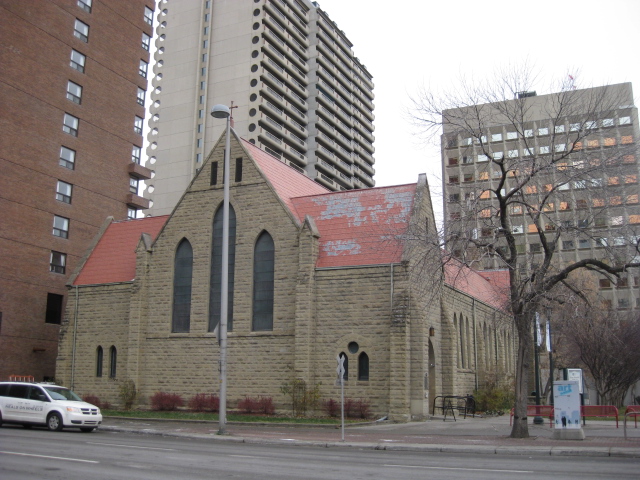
99 358
113 361
363 366
182 272
215 284
263 275
345 365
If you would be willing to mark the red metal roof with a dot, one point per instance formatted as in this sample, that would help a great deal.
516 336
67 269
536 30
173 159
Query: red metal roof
494 292
113 259
359 227
286 181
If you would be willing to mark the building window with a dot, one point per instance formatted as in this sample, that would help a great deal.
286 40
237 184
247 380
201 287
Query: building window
215 289
238 176
142 70
67 158
132 213
70 125
60 226
63 191
99 359
137 125
133 185
78 61
624 121
568 245
148 15
584 243
263 282
135 154
363 367
85 5
559 129
57 262
113 361
623 303
54 308
543 131
182 278
345 365
74 92
81 31
214 173
141 95
146 41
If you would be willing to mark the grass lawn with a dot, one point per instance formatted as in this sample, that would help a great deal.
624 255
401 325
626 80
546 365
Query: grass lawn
231 417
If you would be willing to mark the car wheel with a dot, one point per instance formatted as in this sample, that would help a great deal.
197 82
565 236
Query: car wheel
54 422
87 429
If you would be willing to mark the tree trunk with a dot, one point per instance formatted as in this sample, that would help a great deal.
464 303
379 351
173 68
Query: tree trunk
520 428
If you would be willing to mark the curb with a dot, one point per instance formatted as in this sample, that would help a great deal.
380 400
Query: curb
620 452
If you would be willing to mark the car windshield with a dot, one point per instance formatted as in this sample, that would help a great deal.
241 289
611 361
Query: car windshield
61 393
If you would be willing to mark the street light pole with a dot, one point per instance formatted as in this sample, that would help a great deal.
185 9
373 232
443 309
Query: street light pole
222 111
537 419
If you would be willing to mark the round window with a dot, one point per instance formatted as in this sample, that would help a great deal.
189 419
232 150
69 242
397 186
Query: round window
253 97
353 347
252 112
254 82
252 127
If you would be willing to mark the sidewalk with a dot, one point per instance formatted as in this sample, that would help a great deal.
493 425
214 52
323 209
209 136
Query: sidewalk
470 435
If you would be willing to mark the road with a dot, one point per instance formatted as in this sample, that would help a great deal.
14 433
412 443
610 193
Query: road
70 455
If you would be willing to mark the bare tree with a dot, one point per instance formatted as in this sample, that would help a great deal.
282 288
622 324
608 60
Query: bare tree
539 171
603 341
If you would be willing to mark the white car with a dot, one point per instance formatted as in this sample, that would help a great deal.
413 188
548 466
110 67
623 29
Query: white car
46 404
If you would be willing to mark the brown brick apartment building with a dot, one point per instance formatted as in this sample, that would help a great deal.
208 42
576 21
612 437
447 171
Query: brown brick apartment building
72 91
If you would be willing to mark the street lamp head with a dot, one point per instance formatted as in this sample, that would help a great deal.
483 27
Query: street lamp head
220 111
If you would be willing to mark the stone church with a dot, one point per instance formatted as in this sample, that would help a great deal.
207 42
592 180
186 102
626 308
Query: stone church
313 274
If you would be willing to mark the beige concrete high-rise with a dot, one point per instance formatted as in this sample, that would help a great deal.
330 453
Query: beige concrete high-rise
300 92
583 145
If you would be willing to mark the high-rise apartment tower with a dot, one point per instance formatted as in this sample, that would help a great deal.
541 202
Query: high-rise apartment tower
580 146
72 89
300 92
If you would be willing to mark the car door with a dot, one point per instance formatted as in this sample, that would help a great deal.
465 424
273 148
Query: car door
14 406
35 405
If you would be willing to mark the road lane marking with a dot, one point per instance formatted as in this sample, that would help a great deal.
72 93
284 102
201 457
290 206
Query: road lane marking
49 457
131 446
460 468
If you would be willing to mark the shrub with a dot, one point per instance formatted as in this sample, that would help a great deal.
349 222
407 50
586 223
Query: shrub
203 402
128 394
94 400
302 398
363 408
166 402
494 396
331 407
257 405
248 405
265 405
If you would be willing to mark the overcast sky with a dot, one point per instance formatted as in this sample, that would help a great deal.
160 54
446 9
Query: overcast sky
409 43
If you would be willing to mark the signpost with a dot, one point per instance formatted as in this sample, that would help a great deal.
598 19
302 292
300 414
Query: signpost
340 371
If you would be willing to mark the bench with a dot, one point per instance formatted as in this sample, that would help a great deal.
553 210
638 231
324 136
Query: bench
633 410
599 411
537 411
464 404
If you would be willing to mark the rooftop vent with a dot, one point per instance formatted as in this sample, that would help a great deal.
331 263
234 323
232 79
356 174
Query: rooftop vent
526 94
